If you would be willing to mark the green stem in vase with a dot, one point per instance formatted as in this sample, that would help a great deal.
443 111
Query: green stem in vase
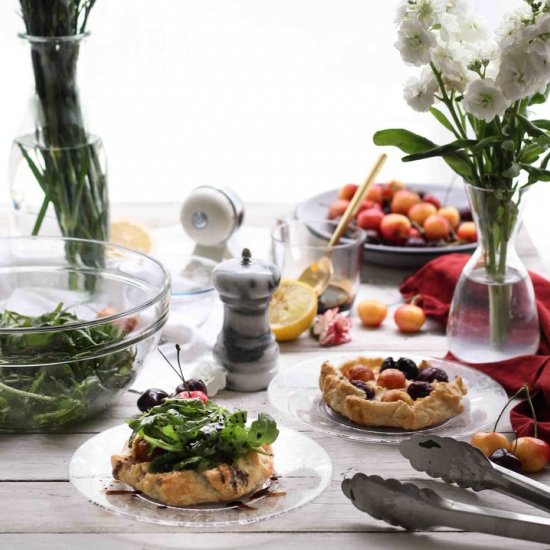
63 157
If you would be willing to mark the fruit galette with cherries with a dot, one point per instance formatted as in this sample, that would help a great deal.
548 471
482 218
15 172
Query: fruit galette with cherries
392 393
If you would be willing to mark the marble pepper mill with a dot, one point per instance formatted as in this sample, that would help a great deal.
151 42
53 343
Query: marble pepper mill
246 346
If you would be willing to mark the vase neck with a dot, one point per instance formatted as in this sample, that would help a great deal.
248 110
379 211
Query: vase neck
58 118
496 213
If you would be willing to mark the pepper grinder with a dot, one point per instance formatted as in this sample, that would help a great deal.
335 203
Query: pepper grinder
246 346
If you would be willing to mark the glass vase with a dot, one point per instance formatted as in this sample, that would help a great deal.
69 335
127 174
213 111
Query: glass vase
58 170
493 314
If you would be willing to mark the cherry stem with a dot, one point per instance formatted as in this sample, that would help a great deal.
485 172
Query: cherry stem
414 299
533 413
180 373
507 403
178 350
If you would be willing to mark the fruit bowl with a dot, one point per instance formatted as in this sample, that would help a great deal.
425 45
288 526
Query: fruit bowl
73 334
317 207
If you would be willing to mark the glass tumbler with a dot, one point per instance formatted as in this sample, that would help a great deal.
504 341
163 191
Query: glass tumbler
297 244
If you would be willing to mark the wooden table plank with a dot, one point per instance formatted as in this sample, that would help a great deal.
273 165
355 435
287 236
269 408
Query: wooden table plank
395 540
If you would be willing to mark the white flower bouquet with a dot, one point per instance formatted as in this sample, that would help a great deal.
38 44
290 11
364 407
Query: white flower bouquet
485 85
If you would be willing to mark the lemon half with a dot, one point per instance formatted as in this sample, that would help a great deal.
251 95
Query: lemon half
292 309
131 234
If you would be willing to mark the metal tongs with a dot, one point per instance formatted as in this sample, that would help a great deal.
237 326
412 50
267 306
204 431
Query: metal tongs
407 505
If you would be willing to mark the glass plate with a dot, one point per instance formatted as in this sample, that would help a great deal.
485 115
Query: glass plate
302 466
295 392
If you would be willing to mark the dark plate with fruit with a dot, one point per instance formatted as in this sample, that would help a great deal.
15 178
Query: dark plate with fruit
412 250
295 392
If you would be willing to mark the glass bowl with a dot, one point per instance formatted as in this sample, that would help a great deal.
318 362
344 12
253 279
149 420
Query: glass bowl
77 319
193 293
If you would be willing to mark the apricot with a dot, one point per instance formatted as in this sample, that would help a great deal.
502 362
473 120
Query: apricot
419 212
409 318
337 208
467 232
403 200
372 312
370 219
347 191
451 214
436 227
395 227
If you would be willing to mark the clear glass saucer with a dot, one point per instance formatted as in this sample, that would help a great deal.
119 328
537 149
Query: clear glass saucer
295 392
303 471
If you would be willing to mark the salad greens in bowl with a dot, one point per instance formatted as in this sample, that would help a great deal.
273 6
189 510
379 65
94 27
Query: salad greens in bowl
73 332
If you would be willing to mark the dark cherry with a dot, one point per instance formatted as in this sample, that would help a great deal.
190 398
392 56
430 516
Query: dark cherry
419 389
367 388
506 459
438 242
373 237
415 242
388 363
193 385
407 367
151 398
431 374
465 214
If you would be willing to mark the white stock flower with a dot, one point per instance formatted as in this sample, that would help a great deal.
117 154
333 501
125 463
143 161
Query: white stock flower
419 92
484 100
426 11
451 61
511 32
517 76
415 42
539 36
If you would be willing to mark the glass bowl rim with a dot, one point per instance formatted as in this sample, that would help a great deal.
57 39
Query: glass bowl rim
160 294
353 241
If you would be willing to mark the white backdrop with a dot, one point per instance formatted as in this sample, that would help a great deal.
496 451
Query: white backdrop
277 99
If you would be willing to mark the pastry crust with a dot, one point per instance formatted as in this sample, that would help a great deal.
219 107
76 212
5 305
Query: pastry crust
444 401
188 487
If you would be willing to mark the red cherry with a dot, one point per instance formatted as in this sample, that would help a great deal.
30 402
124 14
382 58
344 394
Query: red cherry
434 200
193 395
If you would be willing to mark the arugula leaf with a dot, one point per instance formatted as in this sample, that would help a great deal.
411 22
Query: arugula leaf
61 392
186 434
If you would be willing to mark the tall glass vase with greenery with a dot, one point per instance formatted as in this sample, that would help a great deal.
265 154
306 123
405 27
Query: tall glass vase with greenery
487 86
58 168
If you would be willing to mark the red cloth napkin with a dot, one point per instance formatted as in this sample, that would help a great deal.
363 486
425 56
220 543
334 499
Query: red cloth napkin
435 283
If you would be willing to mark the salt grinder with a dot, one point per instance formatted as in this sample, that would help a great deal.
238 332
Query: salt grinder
246 346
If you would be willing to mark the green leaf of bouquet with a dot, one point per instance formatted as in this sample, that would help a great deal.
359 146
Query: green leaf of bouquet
442 119
532 130
489 142
407 141
412 143
535 173
542 123
537 99
441 150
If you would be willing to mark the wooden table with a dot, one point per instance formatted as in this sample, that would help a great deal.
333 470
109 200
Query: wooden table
39 508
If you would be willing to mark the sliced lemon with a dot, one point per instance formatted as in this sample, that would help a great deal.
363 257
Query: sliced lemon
131 234
292 309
